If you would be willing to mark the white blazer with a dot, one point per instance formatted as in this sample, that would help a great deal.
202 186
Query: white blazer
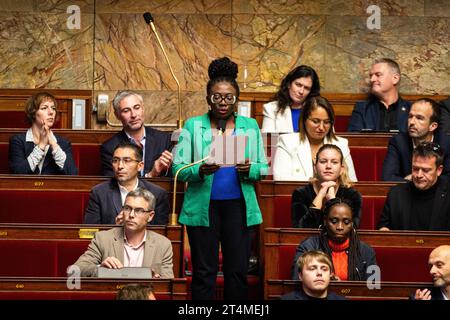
274 121
293 159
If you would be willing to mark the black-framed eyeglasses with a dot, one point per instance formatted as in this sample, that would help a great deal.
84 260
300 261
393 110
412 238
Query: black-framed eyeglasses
217 98
125 160
137 211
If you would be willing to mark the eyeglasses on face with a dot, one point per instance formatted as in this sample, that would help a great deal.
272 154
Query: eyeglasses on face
125 160
317 122
137 211
217 98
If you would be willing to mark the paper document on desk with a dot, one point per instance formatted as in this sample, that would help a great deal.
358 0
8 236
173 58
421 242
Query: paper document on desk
227 151
124 273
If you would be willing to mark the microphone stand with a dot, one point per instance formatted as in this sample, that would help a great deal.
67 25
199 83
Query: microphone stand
173 218
149 19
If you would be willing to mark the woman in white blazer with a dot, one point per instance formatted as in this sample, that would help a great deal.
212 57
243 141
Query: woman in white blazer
295 151
282 115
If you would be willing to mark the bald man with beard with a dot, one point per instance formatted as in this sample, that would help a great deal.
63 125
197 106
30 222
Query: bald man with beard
439 262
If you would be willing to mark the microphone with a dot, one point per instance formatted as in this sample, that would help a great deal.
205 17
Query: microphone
221 126
149 20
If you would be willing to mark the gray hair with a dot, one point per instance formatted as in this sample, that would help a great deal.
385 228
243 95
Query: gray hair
391 63
145 194
122 95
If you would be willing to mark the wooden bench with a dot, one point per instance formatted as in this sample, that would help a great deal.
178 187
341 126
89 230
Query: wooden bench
56 199
342 103
368 150
47 250
275 201
353 290
401 256
42 288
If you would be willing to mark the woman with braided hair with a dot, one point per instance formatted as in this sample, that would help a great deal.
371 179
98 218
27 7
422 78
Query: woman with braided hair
220 208
339 239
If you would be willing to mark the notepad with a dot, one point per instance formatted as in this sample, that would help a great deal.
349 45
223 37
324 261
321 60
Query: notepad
124 273
227 150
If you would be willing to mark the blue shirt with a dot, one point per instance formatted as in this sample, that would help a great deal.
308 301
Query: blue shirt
226 185
295 117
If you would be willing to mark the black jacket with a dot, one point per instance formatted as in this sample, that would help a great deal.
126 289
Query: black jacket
20 149
397 208
398 162
105 203
305 217
366 115
155 143
366 253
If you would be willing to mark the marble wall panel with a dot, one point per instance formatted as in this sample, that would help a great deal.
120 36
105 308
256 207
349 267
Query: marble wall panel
423 58
164 6
162 107
324 7
128 56
267 47
39 51
53 6
437 8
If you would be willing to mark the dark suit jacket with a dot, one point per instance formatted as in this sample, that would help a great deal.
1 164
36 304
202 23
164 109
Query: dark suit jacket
445 116
155 144
397 208
105 203
436 294
20 149
301 295
366 115
398 161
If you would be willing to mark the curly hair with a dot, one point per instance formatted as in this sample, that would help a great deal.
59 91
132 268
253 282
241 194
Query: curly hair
220 70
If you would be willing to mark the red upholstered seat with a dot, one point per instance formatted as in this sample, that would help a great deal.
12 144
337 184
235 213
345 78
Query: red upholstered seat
400 264
368 162
42 206
371 212
87 159
286 258
24 258
282 212
4 165
67 253
341 123
403 264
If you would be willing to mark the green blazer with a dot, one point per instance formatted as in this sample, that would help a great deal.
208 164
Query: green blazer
194 144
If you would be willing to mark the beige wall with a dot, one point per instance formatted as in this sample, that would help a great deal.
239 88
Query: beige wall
114 49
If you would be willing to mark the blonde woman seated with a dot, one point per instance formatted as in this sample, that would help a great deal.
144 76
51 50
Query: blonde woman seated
330 181
295 151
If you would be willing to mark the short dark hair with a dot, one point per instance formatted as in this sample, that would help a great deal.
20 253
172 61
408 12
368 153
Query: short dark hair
303 71
311 104
33 103
135 291
138 153
428 150
436 108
